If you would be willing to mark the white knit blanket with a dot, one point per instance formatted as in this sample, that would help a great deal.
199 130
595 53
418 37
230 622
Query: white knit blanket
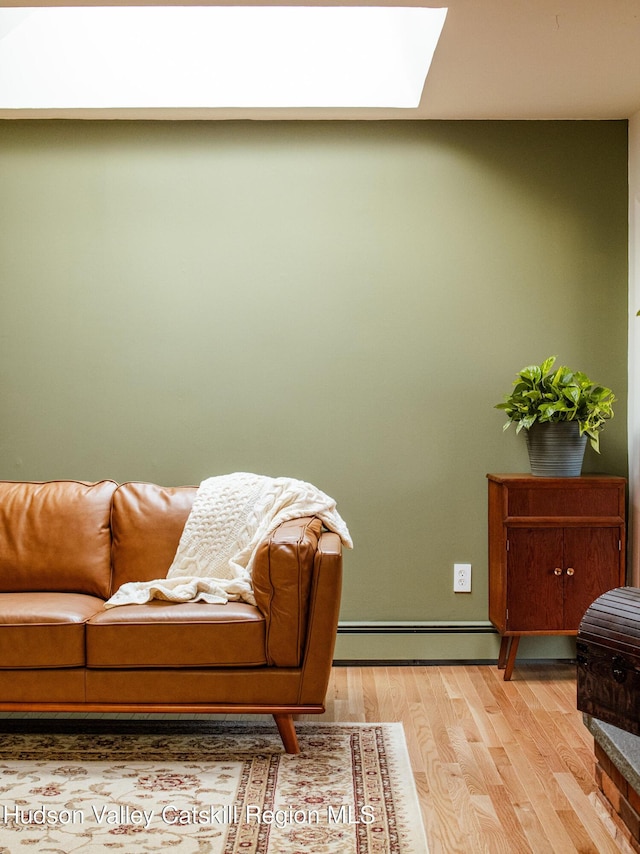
231 515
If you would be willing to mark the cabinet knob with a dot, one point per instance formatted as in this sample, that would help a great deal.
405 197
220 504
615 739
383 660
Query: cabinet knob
570 570
557 571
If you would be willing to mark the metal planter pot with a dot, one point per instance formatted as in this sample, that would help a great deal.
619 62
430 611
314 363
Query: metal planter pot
556 449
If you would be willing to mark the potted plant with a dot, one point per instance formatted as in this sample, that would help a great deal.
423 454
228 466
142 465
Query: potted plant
559 408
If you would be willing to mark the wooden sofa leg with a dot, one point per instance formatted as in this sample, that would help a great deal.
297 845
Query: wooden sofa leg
287 731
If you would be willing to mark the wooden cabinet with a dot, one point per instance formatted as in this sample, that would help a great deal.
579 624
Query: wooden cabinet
555 545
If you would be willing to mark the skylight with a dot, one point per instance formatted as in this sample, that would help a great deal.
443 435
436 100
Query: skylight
215 56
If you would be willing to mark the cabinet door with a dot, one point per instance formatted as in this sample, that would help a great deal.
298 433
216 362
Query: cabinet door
534 590
594 556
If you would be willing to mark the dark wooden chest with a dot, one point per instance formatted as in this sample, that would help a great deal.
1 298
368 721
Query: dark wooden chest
608 658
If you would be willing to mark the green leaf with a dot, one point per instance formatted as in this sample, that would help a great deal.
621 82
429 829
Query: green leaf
572 394
546 366
532 373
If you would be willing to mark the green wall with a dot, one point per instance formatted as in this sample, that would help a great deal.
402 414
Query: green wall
340 302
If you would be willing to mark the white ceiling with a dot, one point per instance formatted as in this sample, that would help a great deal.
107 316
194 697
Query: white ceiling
543 59
497 59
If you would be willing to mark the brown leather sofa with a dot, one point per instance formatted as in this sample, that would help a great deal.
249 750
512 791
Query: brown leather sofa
67 546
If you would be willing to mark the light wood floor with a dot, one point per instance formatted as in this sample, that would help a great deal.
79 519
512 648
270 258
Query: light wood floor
504 767
500 767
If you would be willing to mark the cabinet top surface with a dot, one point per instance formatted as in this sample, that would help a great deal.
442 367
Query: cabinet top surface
531 480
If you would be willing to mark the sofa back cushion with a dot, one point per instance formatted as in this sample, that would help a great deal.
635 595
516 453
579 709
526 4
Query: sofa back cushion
147 522
55 536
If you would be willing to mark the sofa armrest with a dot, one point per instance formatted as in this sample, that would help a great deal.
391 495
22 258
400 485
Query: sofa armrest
324 610
282 577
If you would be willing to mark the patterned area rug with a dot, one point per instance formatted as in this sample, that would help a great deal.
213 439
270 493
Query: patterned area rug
210 788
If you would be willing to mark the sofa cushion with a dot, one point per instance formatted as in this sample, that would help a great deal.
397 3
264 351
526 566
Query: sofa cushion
165 634
147 522
55 536
44 629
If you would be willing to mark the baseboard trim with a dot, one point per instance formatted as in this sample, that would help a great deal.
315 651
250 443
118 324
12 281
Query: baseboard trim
426 627
438 641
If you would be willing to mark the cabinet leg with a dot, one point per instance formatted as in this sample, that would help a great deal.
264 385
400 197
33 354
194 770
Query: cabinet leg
507 654
504 648
511 658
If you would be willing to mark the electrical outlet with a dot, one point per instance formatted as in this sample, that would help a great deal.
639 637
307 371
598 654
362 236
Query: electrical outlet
462 578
